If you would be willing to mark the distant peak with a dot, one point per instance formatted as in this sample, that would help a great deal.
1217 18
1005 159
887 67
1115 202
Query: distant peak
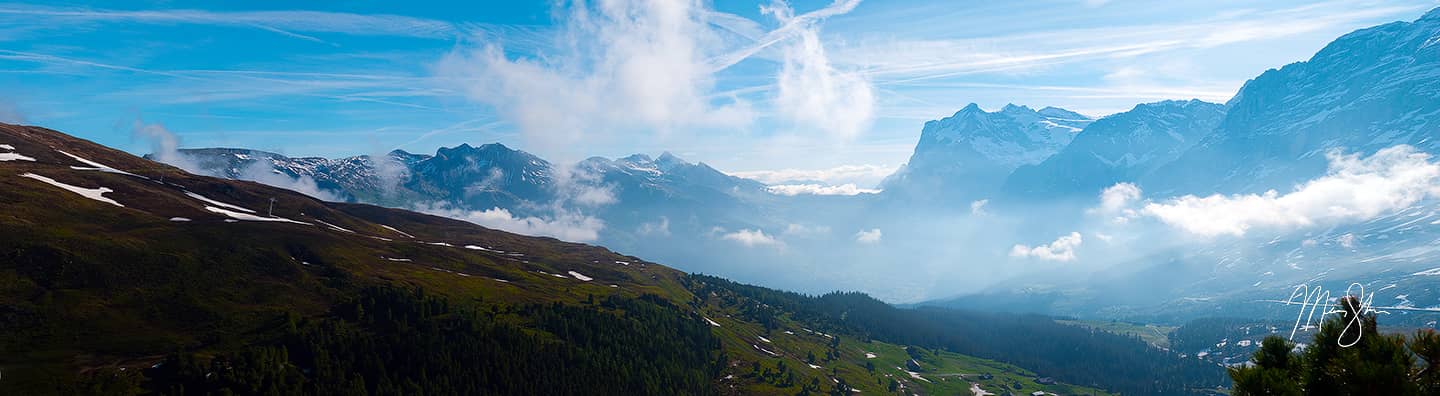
1432 15
494 146
466 149
1056 112
637 158
667 157
970 108
596 161
1014 108
1181 104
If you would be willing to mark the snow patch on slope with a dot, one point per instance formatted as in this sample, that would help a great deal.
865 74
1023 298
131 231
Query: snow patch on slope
92 193
202 198
250 217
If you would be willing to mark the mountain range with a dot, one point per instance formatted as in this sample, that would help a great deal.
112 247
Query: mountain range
1367 90
123 276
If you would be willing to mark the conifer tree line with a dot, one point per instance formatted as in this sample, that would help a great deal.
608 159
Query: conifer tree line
1348 356
400 341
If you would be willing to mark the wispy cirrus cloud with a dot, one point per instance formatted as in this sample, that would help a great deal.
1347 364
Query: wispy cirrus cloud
907 60
282 22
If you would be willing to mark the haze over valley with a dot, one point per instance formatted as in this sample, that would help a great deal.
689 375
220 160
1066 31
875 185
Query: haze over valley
784 198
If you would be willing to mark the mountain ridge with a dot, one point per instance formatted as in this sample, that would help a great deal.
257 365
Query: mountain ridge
159 279
968 153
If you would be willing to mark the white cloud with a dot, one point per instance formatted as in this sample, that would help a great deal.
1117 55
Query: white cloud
813 92
565 225
1347 240
263 172
868 236
659 227
1062 249
801 230
817 189
617 65
751 238
1107 238
1117 198
978 207
581 187
651 66
1354 188
165 146
863 175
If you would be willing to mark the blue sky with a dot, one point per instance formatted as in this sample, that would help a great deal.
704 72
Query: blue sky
835 91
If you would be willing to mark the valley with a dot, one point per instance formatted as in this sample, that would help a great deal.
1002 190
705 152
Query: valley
687 198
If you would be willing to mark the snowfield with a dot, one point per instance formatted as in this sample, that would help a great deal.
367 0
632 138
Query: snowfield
92 193
179 219
712 323
250 217
581 277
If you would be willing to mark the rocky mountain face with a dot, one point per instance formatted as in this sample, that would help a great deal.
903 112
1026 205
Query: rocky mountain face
623 192
968 154
1367 90
1118 148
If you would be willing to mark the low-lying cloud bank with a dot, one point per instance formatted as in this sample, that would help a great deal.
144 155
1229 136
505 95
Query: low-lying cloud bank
564 225
1062 249
791 190
864 175
1354 188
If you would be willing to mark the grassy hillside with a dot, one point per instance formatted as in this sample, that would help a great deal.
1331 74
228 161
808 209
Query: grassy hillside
1156 335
